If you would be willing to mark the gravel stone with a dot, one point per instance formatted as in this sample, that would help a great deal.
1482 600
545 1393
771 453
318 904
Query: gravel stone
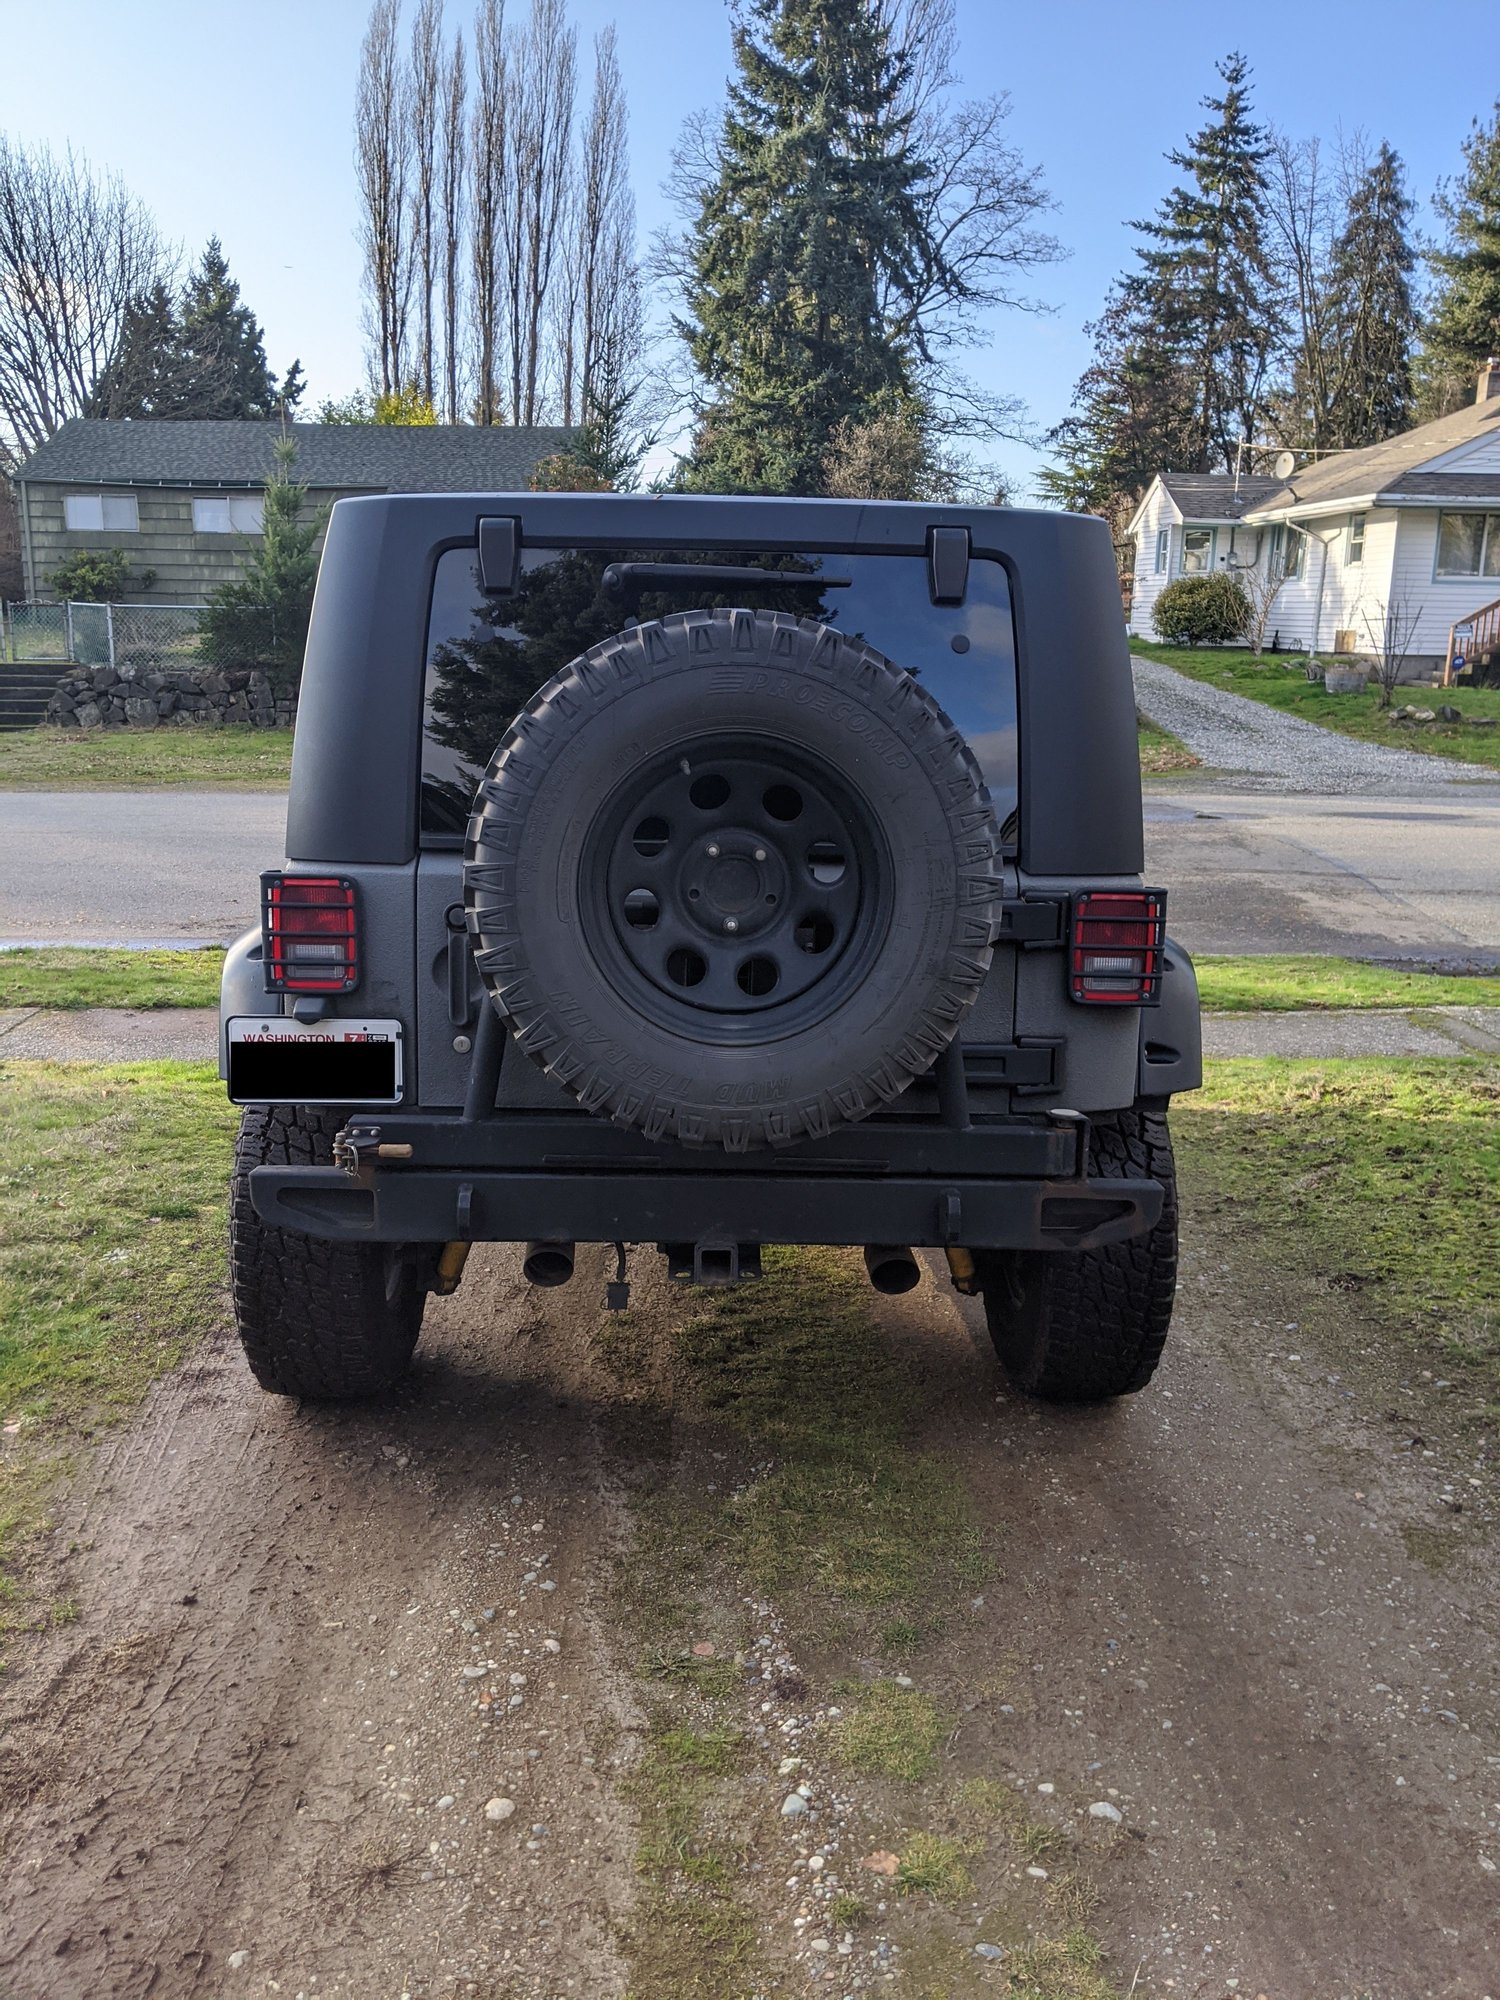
1102 1809
1272 752
499 1809
793 1806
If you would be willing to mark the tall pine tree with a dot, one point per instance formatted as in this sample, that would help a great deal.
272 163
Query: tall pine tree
1205 280
1463 326
261 618
809 220
1374 314
202 355
140 379
1187 342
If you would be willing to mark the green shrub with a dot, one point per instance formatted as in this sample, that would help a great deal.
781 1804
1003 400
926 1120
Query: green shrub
95 576
1201 611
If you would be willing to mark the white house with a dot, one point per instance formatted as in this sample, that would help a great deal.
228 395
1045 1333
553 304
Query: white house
1408 530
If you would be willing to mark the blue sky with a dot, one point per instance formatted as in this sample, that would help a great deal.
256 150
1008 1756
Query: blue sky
237 120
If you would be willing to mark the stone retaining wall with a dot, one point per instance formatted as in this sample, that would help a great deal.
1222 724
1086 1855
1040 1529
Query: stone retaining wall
134 698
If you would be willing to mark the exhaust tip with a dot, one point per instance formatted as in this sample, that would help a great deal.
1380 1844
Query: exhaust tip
548 1263
892 1268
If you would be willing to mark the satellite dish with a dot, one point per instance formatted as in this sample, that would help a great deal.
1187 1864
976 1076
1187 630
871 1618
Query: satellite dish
1284 464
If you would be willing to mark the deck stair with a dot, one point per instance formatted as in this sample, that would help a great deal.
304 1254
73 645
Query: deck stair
1475 641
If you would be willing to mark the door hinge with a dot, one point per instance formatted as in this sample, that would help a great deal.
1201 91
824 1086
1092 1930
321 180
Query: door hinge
1033 921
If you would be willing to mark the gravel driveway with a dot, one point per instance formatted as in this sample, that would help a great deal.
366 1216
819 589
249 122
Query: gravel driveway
1269 751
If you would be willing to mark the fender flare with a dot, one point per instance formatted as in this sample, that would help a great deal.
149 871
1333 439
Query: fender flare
1171 1034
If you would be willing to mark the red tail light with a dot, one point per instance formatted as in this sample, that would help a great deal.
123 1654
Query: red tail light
1117 943
310 934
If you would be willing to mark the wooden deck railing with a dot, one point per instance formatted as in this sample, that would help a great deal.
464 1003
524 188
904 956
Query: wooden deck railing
1483 628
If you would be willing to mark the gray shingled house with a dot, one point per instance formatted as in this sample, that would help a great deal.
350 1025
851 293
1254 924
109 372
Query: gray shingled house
183 499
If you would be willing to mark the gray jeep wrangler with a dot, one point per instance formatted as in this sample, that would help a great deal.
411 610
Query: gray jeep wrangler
703 874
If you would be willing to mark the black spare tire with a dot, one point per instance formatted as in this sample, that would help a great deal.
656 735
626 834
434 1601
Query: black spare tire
733 878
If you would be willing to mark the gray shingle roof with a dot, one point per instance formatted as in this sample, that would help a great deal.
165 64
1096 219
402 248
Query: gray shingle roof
1387 467
1215 496
390 458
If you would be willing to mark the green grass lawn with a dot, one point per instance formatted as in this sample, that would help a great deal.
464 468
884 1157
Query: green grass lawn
1282 683
1279 984
1161 751
230 759
113 1180
63 977
1380 1177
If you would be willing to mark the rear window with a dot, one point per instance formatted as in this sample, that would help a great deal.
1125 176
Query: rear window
487 656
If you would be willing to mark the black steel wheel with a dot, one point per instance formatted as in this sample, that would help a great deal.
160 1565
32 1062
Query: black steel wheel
733 878
740 887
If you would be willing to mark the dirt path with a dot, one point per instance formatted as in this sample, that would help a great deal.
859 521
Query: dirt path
1205 1612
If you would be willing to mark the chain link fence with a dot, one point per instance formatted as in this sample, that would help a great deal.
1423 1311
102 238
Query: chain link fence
134 639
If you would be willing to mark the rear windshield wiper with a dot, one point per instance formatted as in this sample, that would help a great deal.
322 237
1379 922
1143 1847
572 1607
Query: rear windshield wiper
627 578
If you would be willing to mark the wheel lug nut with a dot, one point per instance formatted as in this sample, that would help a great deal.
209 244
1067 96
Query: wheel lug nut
731 923
713 852
760 854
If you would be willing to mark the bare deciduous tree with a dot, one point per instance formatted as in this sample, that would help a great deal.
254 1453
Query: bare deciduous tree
489 157
426 90
76 250
543 83
453 214
1262 584
382 157
1391 628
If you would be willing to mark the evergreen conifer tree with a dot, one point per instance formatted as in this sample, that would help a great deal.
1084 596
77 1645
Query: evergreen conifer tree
1463 327
224 372
1374 314
261 618
202 355
140 377
1185 346
808 222
1205 280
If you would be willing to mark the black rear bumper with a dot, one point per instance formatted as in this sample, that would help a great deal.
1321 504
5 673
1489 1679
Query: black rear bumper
1012 1185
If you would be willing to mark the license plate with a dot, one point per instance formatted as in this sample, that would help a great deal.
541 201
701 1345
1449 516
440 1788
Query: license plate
276 1060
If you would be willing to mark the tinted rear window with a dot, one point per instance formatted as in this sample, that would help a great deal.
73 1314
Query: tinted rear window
487 656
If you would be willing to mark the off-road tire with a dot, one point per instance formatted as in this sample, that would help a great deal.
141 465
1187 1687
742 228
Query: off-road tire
665 693
1082 1326
330 1322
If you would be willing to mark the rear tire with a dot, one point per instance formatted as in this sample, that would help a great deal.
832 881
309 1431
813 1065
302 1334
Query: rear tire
326 1321
1082 1326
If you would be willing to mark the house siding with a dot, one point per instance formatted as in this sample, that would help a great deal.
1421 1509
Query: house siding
1160 512
1481 457
1445 601
188 566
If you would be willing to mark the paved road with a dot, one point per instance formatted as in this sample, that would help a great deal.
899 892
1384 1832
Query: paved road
1394 877
1268 751
98 867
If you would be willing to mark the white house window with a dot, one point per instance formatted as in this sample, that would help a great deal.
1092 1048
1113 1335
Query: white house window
1288 549
1354 551
1197 551
229 514
1468 545
1163 544
90 513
